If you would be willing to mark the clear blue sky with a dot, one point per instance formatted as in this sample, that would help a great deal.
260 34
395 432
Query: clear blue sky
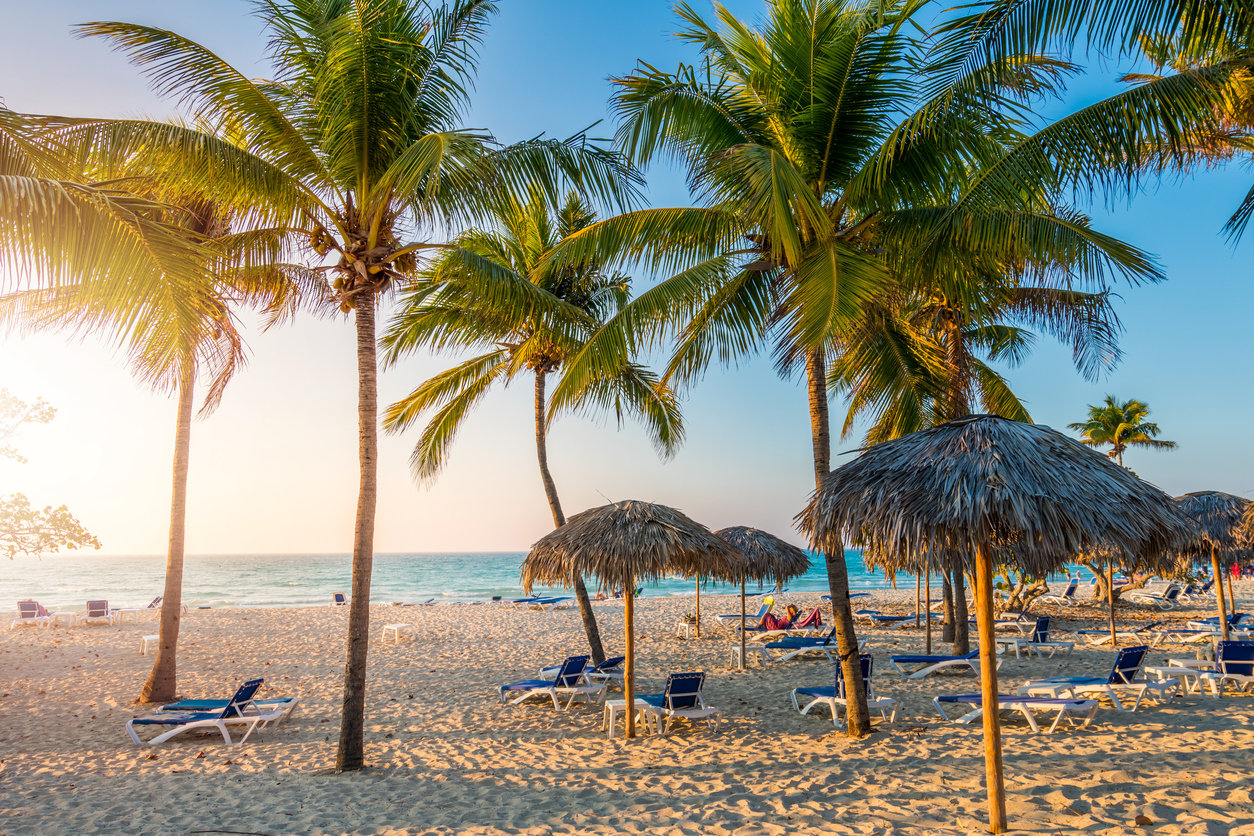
274 469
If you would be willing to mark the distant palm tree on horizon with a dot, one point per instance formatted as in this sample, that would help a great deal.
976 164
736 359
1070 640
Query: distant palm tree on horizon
442 311
1121 425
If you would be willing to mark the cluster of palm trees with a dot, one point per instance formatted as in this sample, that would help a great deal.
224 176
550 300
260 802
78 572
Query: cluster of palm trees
876 203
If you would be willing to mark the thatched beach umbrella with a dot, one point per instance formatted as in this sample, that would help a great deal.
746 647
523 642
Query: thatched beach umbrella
766 558
1217 517
957 493
621 544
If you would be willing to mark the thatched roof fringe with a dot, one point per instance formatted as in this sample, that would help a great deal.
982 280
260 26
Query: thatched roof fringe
625 543
769 558
1033 495
1217 520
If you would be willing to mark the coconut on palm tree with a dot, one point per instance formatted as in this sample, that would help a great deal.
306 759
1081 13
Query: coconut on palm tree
443 312
1120 424
356 140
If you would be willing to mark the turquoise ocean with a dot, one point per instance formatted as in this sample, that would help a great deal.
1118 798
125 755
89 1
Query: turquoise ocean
68 580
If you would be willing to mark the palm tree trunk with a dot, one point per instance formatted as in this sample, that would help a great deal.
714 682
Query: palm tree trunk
857 714
962 625
947 599
559 520
162 680
351 752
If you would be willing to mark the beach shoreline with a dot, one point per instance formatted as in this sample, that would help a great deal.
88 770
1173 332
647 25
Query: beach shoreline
446 757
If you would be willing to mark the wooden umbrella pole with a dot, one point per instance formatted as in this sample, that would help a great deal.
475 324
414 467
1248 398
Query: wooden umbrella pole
1232 598
698 606
988 691
1110 594
916 600
927 590
629 674
742 622
1219 593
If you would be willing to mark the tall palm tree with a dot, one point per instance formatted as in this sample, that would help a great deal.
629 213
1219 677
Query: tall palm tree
356 143
1121 424
442 311
818 165
174 330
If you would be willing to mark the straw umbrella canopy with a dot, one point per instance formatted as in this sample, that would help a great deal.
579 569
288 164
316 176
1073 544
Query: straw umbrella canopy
956 493
621 544
1217 519
766 558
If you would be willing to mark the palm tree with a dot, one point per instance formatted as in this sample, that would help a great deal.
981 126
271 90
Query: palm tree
819 166
356 143
1121 425
443 312
174 330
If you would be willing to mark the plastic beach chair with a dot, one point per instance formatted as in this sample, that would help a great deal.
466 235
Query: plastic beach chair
338 599
1064 707
284 706
98 611
921 666
834 696
238 711
799 647
30 613
569 681
1123 673
1039 641
1066 598
1234 663
681 699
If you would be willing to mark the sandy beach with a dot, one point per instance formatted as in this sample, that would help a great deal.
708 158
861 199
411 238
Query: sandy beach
446 757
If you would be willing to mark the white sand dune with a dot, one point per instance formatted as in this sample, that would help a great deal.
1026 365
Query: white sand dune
446 757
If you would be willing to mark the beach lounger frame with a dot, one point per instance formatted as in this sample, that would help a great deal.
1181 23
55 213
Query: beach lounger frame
235 713
1066 598
1066 708
30 613
1128 666
681 699
834 696
569 682
928 665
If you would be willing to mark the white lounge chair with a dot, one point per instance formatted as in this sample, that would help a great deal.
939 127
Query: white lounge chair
1167 598
30 614
1066 598
1122 680
1148 633
97 612
1038 642
921 666
835 696
238 711
1064 708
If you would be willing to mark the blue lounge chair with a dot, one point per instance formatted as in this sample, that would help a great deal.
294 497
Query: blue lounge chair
238 711
681 698
851 595
732 620
611 670
834 696
1038 642
1122 679
974 707
797 647
921 666
286 706
1167 599
878 619
30 613
569 680
1234 663
1150 632
338 599
1066 598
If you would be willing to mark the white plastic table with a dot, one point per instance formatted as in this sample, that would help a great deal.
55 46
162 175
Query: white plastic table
397 631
